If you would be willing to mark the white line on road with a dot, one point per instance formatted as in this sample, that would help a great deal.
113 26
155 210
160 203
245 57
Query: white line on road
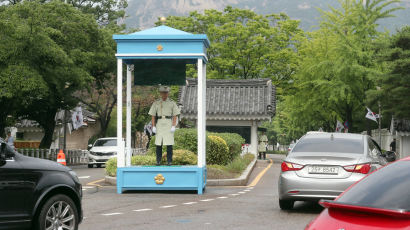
112 214
188 203
241 192
142 210
87 187
84 177
246 190
168 206
250 187
222 197
207 200
234 194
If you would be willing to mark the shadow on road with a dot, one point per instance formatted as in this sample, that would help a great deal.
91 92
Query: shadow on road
306 207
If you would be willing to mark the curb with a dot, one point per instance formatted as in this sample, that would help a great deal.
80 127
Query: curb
240 181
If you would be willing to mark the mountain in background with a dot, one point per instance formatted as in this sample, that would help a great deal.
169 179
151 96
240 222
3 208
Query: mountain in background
143 14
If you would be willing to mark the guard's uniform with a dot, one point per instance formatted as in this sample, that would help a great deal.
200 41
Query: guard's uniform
164 110
263 141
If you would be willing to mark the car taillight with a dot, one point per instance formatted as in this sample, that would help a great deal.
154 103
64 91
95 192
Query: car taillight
287 166
360 168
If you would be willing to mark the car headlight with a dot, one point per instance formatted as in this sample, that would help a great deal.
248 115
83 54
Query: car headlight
74 176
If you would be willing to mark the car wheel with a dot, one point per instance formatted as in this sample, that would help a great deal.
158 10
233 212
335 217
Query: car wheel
90 166
98 165
286 204
59 212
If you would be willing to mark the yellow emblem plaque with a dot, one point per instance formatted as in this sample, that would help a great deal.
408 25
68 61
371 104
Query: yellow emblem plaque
160 48
159 179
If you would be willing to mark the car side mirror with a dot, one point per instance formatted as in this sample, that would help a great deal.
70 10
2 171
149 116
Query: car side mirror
90 146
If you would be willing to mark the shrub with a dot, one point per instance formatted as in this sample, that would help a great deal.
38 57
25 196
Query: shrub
184 139
234 142
111 167
218 152
182 157
240 163
143 160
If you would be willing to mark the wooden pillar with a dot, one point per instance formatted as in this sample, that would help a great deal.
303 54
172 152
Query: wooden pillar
128 123
120 153
201 114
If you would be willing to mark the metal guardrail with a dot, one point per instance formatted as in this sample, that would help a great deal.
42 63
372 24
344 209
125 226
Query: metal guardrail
73 156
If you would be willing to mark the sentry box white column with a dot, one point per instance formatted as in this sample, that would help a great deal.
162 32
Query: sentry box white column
151 51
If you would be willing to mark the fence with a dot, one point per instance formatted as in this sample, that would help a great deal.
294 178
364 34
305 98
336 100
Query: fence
73 157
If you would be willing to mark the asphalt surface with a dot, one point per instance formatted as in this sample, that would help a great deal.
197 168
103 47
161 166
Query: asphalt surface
245 207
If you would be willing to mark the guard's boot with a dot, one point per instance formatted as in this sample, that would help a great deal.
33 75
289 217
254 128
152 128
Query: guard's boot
259 156
264 155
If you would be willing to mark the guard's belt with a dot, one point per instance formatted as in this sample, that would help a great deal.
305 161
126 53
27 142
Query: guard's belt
164 117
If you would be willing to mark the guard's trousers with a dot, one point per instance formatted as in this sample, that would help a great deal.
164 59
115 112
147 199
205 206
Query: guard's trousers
159 153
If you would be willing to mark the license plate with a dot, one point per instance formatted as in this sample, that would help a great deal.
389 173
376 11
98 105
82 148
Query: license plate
323 170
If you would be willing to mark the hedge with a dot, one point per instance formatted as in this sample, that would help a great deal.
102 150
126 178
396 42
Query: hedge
180 157
187 139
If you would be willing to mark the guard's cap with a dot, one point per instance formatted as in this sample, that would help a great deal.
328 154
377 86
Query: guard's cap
163 88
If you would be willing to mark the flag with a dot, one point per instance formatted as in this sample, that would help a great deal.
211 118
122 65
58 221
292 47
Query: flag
372 116
339 126
77 118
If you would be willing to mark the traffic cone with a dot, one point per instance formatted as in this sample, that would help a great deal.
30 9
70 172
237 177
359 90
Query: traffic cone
61 158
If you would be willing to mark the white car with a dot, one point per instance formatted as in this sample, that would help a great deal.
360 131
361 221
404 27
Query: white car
101 151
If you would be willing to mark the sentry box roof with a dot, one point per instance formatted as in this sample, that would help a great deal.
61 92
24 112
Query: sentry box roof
160 54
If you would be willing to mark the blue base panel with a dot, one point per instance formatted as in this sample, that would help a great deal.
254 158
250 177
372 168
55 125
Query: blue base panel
161 178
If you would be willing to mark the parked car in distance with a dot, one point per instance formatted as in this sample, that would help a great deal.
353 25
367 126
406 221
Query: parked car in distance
379 201
323 165
36 193
101 151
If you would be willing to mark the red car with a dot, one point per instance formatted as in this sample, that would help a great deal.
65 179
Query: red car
379 201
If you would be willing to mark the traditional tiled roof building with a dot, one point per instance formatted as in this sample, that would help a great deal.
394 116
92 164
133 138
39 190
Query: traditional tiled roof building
232 105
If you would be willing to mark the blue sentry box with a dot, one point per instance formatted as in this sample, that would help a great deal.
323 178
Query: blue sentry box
175 178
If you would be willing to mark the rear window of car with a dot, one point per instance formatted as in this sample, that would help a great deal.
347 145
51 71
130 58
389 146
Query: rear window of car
387 188
329 145
107 142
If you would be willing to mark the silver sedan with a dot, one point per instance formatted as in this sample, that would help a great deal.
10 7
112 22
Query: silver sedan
323 165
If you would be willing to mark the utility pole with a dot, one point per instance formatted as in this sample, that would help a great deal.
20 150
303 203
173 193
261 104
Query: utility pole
65 130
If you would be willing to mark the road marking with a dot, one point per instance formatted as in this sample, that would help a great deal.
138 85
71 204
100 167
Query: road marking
250 188
112 214
234 194
142 210
241 192
168 206
222 197
260 175
207 200
188 203
87 187
94 183
247 190
84 177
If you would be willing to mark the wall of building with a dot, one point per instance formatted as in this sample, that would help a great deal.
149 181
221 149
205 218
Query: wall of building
78 139
404 146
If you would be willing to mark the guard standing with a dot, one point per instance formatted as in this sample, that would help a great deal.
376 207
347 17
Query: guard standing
164 114
263 142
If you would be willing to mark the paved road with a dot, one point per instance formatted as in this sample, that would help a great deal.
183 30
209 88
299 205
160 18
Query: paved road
219 208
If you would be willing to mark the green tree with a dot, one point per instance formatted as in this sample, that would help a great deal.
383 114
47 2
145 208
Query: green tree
56 47
106 12
244 44
336 69
395 82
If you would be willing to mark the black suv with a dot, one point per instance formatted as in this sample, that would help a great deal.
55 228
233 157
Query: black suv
37 194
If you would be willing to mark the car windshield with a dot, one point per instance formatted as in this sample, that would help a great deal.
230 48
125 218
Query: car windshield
387 188
329 145
106 142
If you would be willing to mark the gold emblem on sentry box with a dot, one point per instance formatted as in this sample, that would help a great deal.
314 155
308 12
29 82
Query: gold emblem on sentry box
159 179
160 48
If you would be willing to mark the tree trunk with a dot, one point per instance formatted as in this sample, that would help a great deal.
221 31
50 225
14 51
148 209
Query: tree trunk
48 124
